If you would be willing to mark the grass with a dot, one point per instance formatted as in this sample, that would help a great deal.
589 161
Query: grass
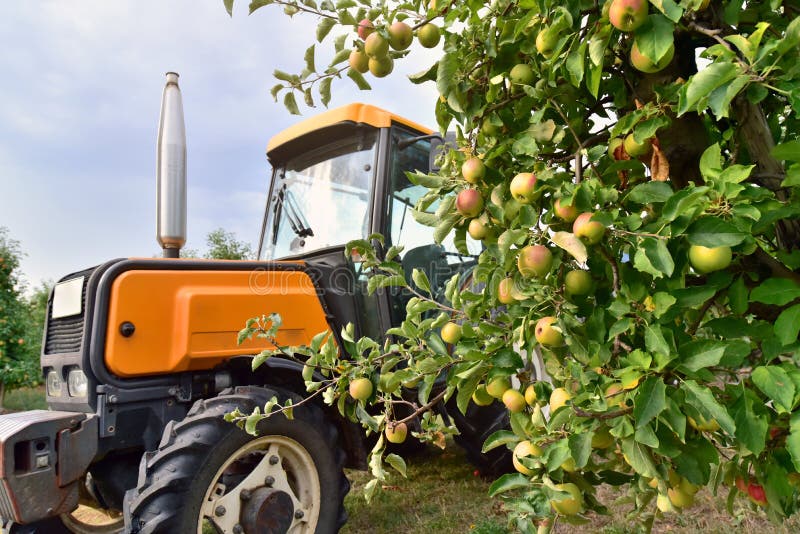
443 495
25 399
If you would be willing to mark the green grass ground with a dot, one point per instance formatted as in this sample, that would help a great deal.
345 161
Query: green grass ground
25 399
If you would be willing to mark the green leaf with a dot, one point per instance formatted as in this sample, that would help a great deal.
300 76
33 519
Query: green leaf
359 80
309 59
789 150
776 291
397 463
446 73
650 192
654 258
290 103
575 65
711 162
704 402
580 447
668 7
499 438
325 91
508 482
655 37
793 440
650 401
714 232
701 353
654 340
776 385
427 75
787 325
444 227
684 201
228 6
638 457
256 4
421 280
751 429
571 244
700 85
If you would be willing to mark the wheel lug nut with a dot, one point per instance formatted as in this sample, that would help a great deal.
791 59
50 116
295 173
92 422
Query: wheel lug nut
245 495
299 514
237 529
274 460
269 481
219 511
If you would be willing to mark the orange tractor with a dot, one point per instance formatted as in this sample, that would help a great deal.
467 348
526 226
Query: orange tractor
141 362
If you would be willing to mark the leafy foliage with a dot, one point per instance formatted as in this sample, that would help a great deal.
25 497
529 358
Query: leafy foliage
683 355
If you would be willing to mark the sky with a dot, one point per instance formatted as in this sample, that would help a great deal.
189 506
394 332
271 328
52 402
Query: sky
80 93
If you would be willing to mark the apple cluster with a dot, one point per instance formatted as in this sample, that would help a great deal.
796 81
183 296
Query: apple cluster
372 52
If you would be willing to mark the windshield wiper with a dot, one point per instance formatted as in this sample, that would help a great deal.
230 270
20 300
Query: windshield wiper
285 199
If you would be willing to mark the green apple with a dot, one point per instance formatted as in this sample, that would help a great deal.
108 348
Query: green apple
376 46
546 41
428 35
578 282
523 187
613 145
481 397
706 260
634 148
547 335
521 74
514 400
565 212
396 433
642 63
559 398
381 67
524 449
358 61
569 505
451 333
361 388
496 387
473 170
477 229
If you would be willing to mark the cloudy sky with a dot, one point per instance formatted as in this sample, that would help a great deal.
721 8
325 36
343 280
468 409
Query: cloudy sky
80 93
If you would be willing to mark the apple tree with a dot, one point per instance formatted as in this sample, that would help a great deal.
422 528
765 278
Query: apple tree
633 171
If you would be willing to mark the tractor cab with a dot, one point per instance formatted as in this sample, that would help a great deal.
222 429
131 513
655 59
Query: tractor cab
341 176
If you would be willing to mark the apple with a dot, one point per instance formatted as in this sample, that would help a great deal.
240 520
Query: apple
523 449
359 61
473 170
706 260
514 400
613 146
577 282
481 397
569 505
546 42
546 334
400 35
521 74
664 504
602 438
741 484
627 15
587 230
451 333
428 35
530 395
498 386
687 487
487 128
559 398
679 498
365 28
566 213
534 260
477 230
381 67
756 494
469 202
523 187
614 395
376 46
505 291
361 388
643 63
396 433
634 148
569 465
704 425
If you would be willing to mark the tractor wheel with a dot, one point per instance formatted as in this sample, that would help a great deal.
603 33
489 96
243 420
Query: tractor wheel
209 476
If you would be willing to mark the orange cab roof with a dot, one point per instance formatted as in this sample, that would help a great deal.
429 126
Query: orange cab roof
357 113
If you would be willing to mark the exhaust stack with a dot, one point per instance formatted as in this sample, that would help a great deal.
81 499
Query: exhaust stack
171 171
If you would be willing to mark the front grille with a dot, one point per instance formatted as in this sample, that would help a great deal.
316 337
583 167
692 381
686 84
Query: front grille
64 335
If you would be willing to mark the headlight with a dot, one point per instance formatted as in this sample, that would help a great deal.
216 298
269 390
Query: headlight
53 384
77 385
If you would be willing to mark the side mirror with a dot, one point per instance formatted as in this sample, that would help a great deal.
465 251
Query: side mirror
439 146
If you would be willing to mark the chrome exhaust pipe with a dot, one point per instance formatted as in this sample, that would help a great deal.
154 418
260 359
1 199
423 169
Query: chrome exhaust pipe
171 171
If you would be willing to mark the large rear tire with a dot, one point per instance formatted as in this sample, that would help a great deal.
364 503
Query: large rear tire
208 475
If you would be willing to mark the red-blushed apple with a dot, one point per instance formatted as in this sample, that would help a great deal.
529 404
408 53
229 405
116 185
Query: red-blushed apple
523 187
706 260
534 260
469 202
396 432
587 230
473 170
400 35
615 395
757 494
358 61
365 27
428 35
504 291
361 388
546 335
627 15
514 400
565 212
643 64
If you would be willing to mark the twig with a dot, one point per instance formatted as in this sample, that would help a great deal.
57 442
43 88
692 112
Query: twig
423 409
602 416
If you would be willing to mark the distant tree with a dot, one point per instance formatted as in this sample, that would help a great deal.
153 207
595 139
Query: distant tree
19 365
223 245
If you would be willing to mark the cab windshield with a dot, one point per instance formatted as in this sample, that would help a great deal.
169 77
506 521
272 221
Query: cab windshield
321 198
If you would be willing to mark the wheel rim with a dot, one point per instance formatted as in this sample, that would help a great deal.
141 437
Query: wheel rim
91 520
256 483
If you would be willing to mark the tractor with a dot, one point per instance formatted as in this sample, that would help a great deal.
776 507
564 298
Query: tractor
140 356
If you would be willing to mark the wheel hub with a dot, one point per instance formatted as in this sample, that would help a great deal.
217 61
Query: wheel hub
268 511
